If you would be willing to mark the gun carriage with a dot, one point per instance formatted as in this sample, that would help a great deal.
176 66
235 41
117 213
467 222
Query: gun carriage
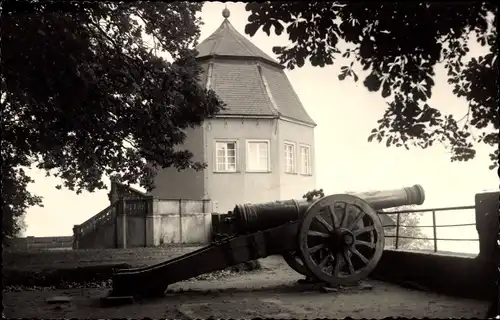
337 239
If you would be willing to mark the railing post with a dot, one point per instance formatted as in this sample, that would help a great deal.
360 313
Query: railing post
145 219
397 231
434 230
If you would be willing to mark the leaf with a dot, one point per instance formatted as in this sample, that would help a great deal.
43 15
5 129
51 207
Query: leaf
388 142
278 27
386 91
342 76
267 28
356 78
372 82
370 137
251 28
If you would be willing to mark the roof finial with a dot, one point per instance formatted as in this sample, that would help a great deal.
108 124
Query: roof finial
226 13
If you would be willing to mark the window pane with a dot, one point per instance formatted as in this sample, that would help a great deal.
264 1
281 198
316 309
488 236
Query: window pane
221 167
221 160
225 156
289 158
304 160
257 156
252 148
220 153
262 147
220 146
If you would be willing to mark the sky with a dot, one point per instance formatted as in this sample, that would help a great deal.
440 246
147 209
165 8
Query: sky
345 113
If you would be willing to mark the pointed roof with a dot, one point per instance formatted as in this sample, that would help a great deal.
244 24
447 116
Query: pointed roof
227 41
250 82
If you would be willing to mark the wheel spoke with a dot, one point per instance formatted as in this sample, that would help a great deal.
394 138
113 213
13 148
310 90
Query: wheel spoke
361 256
365 243
331 211
344 217
316 248
360 215
336 268
317 234
324 261
363 230
323 222
347 259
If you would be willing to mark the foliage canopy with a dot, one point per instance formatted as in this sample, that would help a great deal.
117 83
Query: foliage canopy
399 44
85 96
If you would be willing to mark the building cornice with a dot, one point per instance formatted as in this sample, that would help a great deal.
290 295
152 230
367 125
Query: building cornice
280 117
287 119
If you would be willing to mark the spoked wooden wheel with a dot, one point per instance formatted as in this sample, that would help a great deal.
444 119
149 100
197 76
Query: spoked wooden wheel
294 260
341 239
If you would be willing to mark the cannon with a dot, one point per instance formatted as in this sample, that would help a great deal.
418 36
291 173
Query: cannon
337 239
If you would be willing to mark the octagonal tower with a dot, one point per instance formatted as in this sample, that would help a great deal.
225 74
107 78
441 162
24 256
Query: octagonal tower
261 147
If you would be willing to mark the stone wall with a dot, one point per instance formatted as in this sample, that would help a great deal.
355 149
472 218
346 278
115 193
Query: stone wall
35 243
146 222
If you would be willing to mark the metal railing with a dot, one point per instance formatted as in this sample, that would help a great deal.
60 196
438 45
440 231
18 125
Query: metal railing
434 227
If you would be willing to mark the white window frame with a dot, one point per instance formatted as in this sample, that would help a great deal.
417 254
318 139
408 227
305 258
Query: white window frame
247 165
293 169
305 171
215 156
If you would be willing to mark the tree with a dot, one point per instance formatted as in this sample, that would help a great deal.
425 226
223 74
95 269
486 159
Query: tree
408 227
85 96
400 44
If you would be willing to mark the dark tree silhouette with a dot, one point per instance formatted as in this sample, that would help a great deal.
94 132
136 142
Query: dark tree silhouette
84 96
400 43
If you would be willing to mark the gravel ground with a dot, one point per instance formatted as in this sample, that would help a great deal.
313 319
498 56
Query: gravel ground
271 292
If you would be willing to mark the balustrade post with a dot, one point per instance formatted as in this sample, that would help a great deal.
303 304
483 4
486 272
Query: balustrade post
121 224
180 221
152 220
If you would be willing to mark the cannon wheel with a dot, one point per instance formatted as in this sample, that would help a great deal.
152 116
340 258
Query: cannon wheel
341 239
294 260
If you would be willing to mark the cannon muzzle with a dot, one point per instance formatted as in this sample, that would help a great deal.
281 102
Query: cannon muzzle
393 198
250 218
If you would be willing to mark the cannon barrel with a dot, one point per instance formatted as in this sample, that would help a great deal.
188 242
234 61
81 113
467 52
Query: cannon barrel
250 218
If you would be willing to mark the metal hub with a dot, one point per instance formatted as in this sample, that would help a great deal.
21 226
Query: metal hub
341 239
348 238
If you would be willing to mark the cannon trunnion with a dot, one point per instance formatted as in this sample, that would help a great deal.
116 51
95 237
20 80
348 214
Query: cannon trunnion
337 239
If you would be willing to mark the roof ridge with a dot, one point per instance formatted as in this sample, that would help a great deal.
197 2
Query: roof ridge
236 36
220 31
273 107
